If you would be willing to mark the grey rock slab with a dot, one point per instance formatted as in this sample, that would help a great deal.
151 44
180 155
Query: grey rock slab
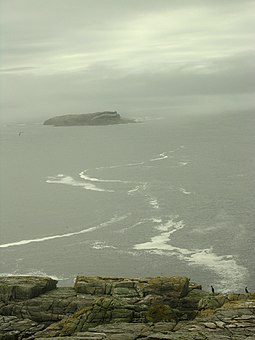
24 287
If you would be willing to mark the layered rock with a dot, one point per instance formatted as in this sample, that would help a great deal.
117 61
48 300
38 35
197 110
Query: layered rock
97 118
121 308
24 287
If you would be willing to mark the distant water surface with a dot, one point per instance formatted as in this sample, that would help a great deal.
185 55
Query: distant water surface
164 197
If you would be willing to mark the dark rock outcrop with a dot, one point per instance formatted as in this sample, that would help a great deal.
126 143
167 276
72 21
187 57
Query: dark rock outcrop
24 287
97 118
120 308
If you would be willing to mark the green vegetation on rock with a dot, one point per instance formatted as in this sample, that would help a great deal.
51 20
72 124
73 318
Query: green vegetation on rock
159 313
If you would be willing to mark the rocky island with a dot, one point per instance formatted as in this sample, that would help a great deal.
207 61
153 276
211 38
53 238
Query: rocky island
109 308
96 118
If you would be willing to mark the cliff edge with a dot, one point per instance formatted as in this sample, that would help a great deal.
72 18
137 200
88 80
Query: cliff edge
96 118
121 308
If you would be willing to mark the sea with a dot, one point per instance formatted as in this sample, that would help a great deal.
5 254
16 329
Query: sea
167 196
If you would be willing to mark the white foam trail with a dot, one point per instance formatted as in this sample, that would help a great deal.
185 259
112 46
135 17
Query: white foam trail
68 180
183 163
118 166
131 227
184 191
145 220
156 220
231 275
131 191
84 176
101 245
161 156
53 237
149 118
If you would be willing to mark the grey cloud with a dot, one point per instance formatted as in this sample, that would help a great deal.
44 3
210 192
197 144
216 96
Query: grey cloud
16 69
65 54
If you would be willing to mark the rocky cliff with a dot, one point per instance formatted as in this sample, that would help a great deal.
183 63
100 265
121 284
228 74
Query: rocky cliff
121 308
97 118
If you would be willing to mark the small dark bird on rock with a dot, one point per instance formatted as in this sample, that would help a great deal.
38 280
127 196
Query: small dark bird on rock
246 290
212 289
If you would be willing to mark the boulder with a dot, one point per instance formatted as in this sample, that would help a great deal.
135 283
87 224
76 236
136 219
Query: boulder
49 307
12 328
172 286
169 287
24 287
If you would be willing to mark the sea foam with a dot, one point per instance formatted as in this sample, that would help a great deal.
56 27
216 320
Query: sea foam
160 157
231 275
68 180
86 177
53 237
184 191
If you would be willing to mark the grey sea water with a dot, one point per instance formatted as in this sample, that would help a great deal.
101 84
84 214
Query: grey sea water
162 197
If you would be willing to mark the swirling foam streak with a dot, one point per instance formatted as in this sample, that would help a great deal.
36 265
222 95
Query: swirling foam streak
184 191
143 221
93 179
161 156
53 237
132 191
231 275
118 166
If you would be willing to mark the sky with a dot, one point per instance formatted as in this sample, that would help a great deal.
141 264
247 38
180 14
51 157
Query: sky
139 57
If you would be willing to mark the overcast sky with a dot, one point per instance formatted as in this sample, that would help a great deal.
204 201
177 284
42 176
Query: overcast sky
136 56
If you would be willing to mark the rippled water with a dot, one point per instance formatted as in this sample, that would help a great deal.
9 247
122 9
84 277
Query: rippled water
164 197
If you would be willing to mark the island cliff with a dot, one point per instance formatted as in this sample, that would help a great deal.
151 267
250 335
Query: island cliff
97 118
121 309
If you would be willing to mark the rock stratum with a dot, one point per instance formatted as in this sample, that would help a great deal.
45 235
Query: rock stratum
99 308
97 118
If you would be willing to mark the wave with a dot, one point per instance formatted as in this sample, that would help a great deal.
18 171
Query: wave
68 180
53 237
224 266
35 273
